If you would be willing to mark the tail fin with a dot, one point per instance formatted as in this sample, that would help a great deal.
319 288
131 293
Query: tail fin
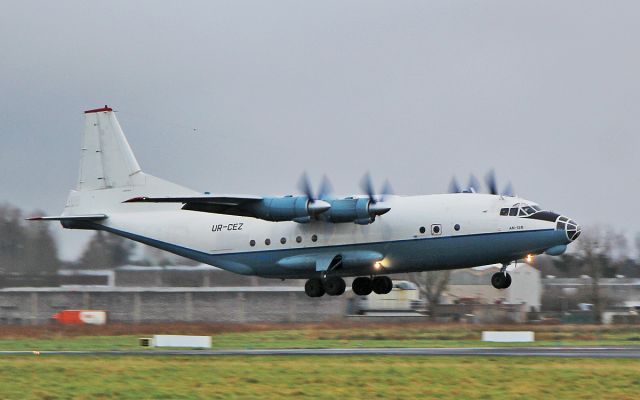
107 160
109 171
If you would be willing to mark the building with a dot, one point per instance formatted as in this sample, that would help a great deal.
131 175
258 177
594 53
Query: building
474 286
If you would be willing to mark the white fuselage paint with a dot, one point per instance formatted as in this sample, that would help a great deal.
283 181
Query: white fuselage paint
230 236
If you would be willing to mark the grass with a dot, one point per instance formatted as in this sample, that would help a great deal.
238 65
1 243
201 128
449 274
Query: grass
306 336
327 377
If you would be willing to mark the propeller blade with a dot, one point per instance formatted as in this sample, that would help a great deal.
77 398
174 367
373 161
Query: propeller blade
325 188
454 187
387 188
490 179
305 186
508 190
474 184
367 186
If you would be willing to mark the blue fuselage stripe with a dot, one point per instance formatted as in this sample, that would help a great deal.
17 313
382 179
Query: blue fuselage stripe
405 255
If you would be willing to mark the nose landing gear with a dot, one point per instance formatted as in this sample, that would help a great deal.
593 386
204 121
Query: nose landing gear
502 279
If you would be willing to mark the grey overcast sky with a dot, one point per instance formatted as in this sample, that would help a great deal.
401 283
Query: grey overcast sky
545 92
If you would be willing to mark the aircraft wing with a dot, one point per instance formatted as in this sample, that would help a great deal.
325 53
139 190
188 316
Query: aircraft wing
226 204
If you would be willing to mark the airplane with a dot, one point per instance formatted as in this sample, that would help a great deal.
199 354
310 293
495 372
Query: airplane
322 238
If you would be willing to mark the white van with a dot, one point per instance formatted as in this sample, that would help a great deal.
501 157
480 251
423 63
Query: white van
404 296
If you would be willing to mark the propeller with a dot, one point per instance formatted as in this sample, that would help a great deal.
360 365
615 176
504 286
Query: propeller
325 188
376 203
454 186
387 189
304 184
315 205
490 179
492 183
474 185
508 190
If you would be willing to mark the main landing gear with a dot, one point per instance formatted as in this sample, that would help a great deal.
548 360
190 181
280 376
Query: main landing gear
335 286
502 279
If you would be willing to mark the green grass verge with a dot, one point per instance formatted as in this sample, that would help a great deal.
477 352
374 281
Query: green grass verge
328 377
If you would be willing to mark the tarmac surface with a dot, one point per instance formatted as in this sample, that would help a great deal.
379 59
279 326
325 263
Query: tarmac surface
562 352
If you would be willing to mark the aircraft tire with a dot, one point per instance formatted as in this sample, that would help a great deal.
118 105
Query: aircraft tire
507 282
361 286
382 284
314 288
334 286
501 280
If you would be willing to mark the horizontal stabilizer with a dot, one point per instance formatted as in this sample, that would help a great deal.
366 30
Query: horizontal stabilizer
88 217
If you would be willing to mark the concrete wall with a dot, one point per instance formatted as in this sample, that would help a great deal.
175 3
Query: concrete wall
196 276
266 304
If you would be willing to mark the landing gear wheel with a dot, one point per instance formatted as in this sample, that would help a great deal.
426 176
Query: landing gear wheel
362 286
382 284
334 286
314 288
508 281
501 280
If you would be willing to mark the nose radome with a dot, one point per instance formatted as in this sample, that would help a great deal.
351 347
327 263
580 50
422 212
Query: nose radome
573 230
569 226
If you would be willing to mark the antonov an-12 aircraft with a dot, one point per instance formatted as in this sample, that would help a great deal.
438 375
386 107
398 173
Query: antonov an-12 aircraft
321 238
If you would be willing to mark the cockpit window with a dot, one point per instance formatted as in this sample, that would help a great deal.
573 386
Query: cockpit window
520 210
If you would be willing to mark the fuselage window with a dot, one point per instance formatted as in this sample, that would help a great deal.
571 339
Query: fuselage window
314 238
456 227
252 243
423 229
436 229
299 239
267 241
504 211
283 240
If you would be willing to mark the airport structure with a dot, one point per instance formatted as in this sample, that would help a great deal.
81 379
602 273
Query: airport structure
148 305
203 293
471 284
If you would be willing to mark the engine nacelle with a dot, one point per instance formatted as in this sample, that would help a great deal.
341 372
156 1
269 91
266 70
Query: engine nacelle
360 210
347 210
288 208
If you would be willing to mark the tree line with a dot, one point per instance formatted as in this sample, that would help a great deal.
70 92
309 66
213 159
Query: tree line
29 248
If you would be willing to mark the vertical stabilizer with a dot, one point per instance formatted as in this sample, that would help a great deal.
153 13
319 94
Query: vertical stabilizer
107 160
110 173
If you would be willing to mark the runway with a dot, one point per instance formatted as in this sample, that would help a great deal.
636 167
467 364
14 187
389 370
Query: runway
561 352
